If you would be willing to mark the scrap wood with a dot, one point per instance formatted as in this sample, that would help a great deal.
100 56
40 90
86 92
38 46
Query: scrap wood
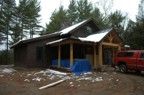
52 84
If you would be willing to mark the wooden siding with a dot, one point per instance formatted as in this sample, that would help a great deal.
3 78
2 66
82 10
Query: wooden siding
27 56
20 56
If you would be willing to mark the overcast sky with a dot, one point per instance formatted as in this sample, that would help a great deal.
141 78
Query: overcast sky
126 6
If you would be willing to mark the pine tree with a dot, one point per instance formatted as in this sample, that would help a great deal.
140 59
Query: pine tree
84 10
135 38
32 14
28 17
117 21
98 17
140 15
58 21
72 12
7 19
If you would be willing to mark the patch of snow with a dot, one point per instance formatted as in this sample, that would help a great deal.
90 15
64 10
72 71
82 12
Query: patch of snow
56 41
105 73
96 37
49 71
52 77
99 79
67 30
71 83
38 79
26 80
67 78
1 75
7 70
127 46
29 75
117 80
114 73
84 78
88 73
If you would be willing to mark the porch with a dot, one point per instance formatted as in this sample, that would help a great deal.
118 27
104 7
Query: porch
70 50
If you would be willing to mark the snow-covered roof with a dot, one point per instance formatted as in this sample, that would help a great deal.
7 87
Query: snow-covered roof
91 38
96 37
69 29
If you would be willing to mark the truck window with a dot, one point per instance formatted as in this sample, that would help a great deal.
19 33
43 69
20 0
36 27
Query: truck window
125 54
142 55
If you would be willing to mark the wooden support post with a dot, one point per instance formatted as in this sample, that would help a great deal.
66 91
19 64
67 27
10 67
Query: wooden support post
71 54
100 55
119 48
94 56
59 56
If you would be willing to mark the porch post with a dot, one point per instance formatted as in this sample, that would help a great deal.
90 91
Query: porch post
59 55
119 48
100 54
71 54
94 56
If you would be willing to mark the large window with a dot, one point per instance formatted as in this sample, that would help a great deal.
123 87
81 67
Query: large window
125 54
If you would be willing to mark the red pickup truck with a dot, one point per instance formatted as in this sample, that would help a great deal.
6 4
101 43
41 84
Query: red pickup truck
130 60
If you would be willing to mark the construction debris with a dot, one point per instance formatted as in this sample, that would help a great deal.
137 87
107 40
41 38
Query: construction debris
52 84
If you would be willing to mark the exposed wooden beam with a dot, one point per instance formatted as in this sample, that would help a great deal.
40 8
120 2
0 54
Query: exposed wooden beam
72 41
100 55
94 47
71 55
110 38
59 56
110 44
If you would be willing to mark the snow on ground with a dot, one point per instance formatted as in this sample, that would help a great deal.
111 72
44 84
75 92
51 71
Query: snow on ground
7 70
49 71
38 79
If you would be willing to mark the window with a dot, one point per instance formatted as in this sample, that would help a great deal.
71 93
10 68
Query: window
39 53
142 55
89 29
125 54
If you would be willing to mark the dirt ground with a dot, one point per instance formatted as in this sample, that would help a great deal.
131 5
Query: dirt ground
111 82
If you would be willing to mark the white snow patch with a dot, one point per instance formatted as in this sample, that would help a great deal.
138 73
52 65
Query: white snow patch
1 75
52 77
56 41
49 71
67 78
27 80
29 75
114 73
99 79
84 78
117 80
38 79
67 30
71 83
88 73
7 70
96 37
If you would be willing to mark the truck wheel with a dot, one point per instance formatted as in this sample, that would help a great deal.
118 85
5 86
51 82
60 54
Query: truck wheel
123 68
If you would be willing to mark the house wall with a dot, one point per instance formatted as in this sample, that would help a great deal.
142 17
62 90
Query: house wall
20 56
34 55
38 54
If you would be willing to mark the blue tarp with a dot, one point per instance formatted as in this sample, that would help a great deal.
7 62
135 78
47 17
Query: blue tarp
79 66
64 63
